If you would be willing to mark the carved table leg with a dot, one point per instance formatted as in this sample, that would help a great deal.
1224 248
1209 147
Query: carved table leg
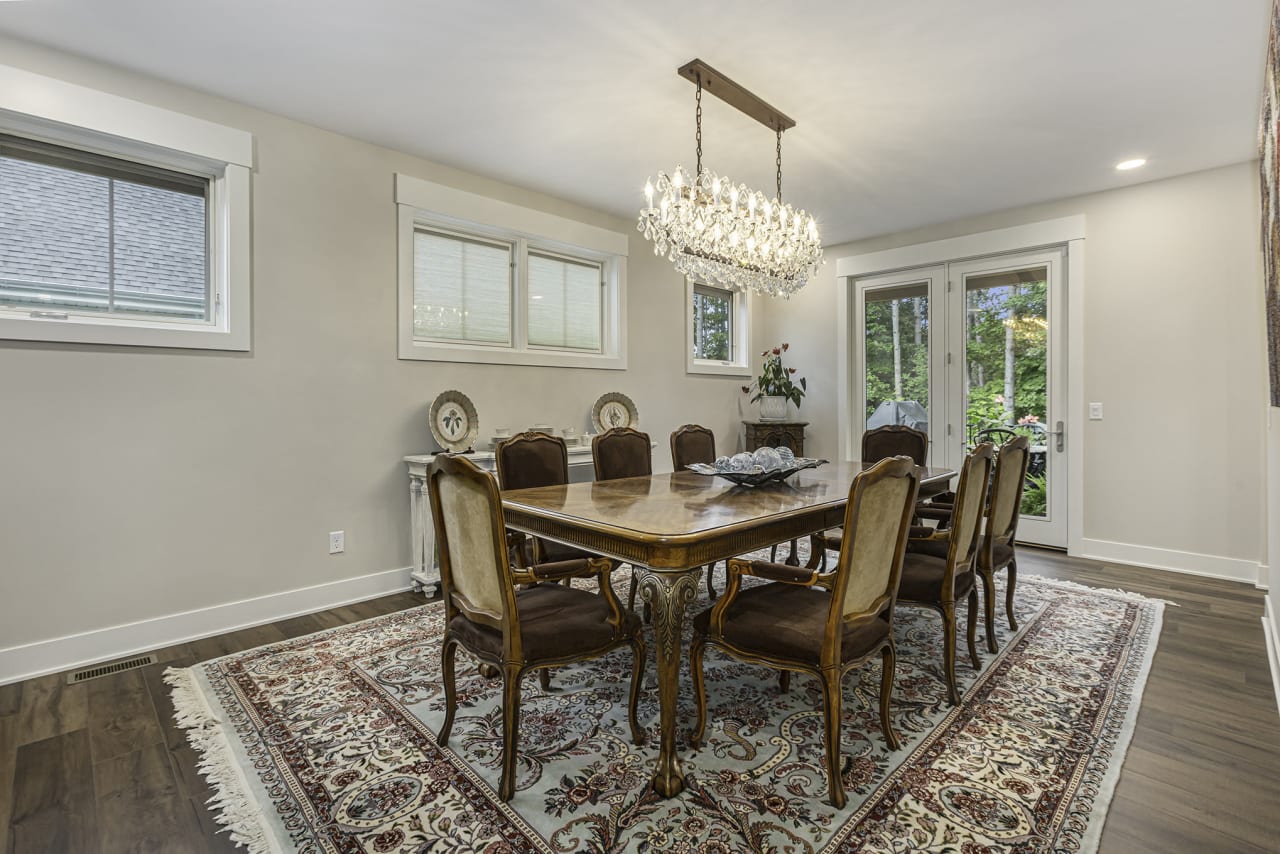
668 593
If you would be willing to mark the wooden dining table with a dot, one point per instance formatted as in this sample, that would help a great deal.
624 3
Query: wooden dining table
669 526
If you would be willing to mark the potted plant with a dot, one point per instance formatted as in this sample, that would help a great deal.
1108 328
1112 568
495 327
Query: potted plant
774 387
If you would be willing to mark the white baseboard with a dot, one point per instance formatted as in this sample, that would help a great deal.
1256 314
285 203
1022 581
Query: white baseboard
1189 563
71 651
1271 628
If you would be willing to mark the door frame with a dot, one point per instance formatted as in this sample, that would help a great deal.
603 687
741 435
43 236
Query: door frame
1068 232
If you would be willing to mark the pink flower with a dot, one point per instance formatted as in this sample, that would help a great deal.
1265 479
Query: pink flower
784 347
746 389
777 352
791 370
999 398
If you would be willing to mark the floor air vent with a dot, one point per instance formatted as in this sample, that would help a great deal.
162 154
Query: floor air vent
108 669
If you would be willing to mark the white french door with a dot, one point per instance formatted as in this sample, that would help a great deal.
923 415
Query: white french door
973 351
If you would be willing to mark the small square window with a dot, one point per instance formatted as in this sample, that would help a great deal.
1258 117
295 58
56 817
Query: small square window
718 322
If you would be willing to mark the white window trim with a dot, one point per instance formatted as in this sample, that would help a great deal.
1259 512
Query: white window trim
736 367
52 110
423 203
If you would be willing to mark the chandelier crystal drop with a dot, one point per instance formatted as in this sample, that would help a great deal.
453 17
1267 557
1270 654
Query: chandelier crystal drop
727 234
730 235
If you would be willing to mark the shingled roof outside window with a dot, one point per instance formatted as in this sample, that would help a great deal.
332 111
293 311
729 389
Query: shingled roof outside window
85 233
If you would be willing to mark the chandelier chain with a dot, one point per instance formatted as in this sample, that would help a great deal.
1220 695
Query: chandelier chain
779 164
698 121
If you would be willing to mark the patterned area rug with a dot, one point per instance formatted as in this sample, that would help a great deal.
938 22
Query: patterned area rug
327 743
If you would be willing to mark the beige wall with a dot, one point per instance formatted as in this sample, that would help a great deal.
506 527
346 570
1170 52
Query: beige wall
138 483
1174 348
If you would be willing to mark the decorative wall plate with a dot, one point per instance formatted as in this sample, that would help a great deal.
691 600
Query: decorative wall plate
453 420
614 409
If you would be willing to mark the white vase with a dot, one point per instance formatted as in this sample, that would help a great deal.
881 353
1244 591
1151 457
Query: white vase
773 407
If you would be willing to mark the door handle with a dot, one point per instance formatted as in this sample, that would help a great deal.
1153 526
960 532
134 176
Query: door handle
1061 435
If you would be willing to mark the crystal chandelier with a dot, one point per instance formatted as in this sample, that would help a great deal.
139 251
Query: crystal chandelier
727 234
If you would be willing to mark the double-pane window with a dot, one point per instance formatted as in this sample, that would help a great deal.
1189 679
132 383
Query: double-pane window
83 233
466 287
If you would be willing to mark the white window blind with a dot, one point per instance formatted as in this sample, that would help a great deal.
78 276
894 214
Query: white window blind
85 233
564 303
461 289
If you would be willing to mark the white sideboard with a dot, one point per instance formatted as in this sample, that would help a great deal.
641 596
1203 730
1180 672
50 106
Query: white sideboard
426 564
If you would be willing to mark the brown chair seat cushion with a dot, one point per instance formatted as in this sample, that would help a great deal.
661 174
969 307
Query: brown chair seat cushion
922 577
553 552
1001 554
787 621
555 622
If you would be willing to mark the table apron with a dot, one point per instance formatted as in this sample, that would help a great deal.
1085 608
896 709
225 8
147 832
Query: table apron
659 554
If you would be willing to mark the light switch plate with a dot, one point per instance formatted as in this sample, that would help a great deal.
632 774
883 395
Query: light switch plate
1095 411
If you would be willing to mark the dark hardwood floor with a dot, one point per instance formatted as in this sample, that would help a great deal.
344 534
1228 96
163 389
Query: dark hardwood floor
100 766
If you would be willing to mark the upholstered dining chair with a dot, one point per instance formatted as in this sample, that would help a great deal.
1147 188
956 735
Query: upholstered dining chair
528 460
515 630
693 443
891 440
623 452
938 569
823 624
996 548
533 459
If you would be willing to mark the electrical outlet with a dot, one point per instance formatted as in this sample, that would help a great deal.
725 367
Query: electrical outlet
1095 412
337 542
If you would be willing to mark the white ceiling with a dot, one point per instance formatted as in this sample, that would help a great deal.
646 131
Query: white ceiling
907 113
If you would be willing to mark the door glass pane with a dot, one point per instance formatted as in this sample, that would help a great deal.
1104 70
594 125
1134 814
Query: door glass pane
1006 369
897 356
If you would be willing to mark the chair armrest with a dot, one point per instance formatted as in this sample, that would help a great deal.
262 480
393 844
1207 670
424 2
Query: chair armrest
775 571
931 511
556 571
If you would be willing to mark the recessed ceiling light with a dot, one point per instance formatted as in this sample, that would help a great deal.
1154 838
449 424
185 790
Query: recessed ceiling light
1125 165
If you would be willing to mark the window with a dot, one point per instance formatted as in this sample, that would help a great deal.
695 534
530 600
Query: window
718 323
486 281
564 303
712 323
461 289
81 233
120 223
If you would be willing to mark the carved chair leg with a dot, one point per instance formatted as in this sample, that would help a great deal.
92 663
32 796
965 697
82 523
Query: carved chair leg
510 729
888 662
817 553
831 698
971 634
773 553
696 650
544 679
989 609
1008 593
711 590
640 655
949 651
447 675
784 681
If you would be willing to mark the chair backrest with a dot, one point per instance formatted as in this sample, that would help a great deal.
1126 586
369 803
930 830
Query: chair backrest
692 444
474 570
876 523
893 440
968 510
532 459
1006 489
621 452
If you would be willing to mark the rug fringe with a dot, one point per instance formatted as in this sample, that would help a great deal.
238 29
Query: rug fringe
233 803
1109 591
